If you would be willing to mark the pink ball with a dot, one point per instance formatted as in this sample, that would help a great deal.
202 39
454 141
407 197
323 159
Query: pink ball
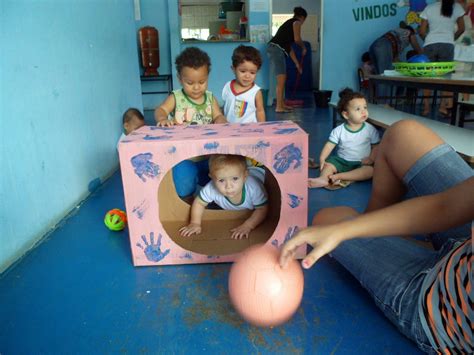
261 291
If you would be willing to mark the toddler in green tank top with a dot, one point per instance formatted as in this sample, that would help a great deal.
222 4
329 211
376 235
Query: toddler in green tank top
193 104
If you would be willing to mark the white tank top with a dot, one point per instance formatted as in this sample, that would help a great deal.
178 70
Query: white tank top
239 108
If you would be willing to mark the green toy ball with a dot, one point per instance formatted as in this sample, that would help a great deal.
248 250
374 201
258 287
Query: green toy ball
115 220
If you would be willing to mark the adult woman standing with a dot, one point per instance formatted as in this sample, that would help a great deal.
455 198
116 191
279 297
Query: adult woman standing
279 47
437 29
386 49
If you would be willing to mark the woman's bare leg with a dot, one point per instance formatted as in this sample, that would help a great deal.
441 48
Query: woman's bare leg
333 215
280 94
402 145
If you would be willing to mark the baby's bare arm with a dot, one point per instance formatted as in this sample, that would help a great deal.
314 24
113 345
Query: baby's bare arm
260 107
162 111
194 226
257 217
217 116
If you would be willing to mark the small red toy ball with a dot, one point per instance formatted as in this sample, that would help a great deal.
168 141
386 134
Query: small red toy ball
115 219
261 291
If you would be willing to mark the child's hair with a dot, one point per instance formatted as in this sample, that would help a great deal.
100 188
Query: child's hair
192 57
246 53
218 161
299 11
365 57
130 113
345 96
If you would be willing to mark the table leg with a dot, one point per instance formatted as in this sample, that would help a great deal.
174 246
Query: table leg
372 97
454 111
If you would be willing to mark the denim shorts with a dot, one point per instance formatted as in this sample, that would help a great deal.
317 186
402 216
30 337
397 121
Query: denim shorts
393 269
439 52
437 171
277 57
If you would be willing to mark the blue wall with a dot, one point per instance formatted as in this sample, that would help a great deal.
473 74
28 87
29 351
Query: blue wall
68 71
155 13
346 35
163 15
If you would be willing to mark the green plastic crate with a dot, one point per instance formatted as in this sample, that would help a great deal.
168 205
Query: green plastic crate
425 69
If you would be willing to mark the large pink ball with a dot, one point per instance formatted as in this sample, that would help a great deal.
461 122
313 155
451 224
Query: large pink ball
261 291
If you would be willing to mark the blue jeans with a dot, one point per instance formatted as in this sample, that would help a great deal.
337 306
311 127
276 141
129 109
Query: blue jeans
277 60
381 56
392 269
188 174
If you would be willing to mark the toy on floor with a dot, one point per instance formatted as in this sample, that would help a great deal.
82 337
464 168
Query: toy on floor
115 220
261 291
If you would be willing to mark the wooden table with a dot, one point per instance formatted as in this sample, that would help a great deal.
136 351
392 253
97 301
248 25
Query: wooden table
462 82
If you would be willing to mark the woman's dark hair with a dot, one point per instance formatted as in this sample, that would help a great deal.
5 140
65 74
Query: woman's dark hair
299 11
345 96
447 7
246 53
192 57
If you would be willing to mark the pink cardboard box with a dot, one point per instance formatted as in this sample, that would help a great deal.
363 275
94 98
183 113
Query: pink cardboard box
155 212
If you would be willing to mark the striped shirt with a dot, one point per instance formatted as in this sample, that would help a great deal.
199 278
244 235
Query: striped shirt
446 302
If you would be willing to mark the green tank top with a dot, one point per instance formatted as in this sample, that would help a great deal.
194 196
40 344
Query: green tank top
189 112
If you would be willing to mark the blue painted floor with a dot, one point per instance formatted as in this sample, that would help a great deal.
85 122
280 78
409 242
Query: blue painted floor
78 292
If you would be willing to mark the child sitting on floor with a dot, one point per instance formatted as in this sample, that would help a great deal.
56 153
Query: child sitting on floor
193 104
354 139
132 119
243 99
231 188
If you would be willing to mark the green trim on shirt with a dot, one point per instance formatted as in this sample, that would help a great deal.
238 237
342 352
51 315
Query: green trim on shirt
262 204
351 131
192 102
200 197
241 201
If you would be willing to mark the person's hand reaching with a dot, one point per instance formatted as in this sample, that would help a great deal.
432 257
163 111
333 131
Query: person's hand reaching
324 239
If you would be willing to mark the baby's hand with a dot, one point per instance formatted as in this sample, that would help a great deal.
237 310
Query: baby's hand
367 161
165 123
190 229
240 232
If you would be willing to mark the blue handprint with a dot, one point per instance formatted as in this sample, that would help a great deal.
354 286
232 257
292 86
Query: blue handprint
153 251
211 145
143 166
155 138
285 130
262 145
294 200
291 232
287 156
140 210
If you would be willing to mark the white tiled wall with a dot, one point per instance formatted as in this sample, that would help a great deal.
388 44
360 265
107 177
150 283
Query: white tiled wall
198 16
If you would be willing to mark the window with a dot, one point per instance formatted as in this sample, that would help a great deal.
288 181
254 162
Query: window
278 20
195 21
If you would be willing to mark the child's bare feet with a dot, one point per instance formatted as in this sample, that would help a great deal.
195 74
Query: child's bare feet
317 182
